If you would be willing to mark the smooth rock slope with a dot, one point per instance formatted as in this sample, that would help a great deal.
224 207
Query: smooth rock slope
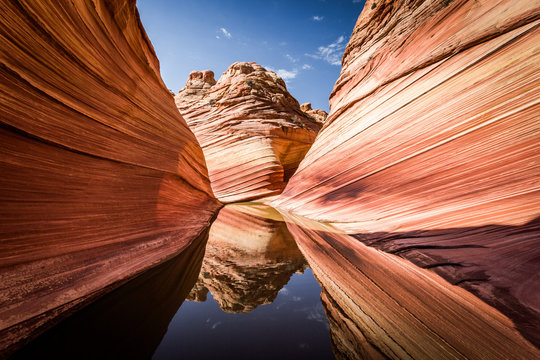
101 177
433 122
431 149
252 131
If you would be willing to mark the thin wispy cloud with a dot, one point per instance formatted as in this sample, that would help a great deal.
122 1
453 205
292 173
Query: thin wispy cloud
225 33
317 18
307 67
356 1
331 53
290 58
283 73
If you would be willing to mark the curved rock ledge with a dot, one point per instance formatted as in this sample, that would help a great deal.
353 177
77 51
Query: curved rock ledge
100 174
252 131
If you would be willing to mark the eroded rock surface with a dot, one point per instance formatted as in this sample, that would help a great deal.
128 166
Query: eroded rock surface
101 177
433 121
431 147
248 260
251 129
317 114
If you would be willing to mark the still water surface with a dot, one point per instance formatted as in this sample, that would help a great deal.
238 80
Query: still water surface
244 292
261 285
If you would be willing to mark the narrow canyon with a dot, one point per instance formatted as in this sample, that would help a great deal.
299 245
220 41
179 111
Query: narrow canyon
402 224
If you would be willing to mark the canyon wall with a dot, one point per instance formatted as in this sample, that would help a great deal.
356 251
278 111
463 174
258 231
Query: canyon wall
431 148
101 177
252 131
433 122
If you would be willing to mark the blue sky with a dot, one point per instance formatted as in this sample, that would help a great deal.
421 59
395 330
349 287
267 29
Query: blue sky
302 40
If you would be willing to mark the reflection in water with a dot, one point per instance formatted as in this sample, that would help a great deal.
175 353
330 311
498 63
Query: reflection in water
248 260
381 306
129 322
253 297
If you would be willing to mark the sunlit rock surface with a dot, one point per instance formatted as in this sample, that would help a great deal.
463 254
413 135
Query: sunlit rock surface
380 306
317 114
431 148
248 259
433 121
100 176
251 129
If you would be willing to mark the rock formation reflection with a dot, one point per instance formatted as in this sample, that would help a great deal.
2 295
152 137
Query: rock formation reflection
129 322
381 306
249 258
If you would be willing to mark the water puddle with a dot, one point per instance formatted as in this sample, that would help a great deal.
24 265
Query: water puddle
261 285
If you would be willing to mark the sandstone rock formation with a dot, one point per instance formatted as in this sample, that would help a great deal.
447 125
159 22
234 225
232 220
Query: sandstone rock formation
248 260
433 121
100 174
379 306
317 114
431 148
252 131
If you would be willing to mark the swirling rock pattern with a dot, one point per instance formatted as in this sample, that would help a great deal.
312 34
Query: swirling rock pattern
252 131
100 173
433 121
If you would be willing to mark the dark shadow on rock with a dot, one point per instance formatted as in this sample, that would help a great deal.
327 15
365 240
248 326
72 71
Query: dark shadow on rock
131 321
500 264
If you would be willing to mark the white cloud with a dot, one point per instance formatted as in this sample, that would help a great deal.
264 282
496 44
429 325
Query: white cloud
226 33
317 18
217 37
284 74
290 58
307 67
331 53
283 43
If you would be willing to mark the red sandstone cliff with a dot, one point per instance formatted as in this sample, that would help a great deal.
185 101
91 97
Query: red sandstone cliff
433 121
380 306
100 173
252 131
431 148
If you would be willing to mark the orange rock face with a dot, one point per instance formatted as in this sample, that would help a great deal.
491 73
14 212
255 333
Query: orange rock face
100 174
316 114
433 121
431 148
379 306
252 131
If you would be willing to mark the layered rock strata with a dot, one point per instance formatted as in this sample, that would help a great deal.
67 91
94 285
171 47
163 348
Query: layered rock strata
101 177
380 306
433 121
430 150
252 131
248 259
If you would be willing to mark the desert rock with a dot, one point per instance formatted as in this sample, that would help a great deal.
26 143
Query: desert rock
100 173
252 131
